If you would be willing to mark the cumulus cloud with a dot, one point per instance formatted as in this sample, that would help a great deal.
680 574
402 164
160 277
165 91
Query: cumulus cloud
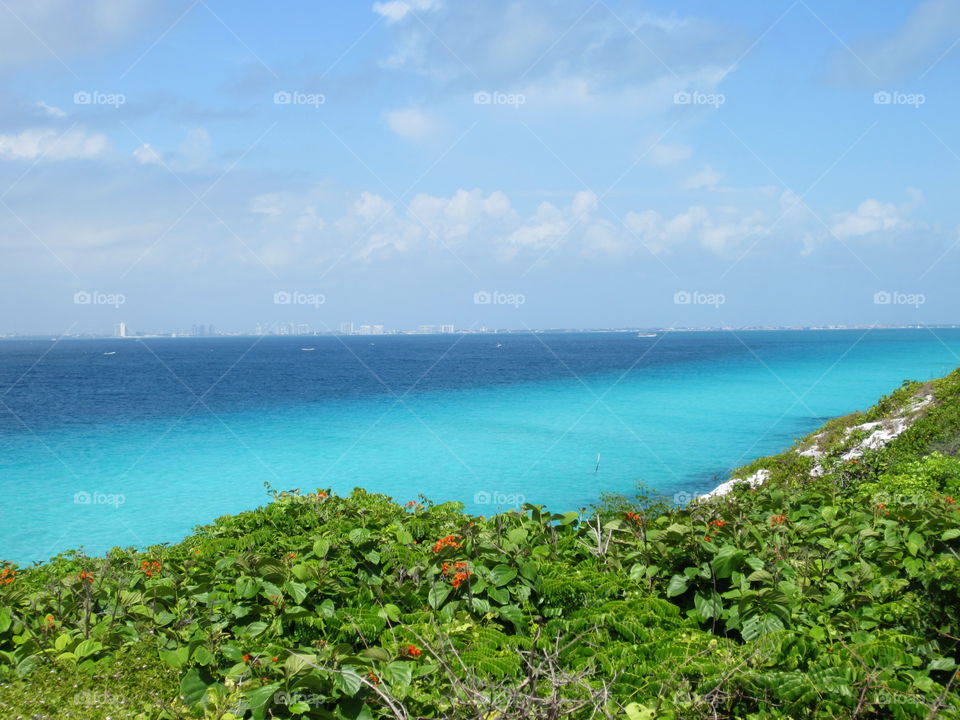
146 155
411 124
669 154
871 216
474 223
395 10
51 145
705 179
51 110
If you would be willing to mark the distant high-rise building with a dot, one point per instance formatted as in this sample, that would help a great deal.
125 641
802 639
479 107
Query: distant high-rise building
211 331
346 328
427 329
120 330
376 330
446 329
365 330
303 329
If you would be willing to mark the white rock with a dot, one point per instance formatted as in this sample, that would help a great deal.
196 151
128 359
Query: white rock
758 478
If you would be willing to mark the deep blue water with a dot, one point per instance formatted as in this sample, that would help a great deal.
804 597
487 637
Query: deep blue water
165 434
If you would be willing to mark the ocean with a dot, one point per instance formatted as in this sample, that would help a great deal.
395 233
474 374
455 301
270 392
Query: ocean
135 442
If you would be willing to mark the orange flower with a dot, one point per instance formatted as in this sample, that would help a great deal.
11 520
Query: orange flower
411 503
445 568
373 677
292 555
6 575
413 651
50 621
718 523
777 520
274 659
460 577
321 494
948 500
84 575
246 658
881 506
448 541
707 538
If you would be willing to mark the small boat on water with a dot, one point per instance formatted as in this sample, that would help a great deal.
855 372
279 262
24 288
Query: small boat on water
646 335
112 352
308 349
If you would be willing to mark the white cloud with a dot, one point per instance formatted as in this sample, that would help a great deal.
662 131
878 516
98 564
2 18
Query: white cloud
51 110
146 155
72 29
411 124
562 54
919 43
395 10
669 154
49 144
194 152
707 179
870 217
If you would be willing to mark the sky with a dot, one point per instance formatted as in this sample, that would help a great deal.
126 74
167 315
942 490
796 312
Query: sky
525 164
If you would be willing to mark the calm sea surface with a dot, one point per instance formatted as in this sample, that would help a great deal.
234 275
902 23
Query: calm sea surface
129 442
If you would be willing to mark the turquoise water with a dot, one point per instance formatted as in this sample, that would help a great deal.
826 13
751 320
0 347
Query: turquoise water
167 434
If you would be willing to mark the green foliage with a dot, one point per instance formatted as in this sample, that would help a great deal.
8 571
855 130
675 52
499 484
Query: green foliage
812 597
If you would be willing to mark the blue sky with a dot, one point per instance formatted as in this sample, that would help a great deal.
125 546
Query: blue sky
610 163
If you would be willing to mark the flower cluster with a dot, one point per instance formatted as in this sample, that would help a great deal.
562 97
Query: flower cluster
635 518
84 575
413 651
718 523
7 575
448 541
777 520
150 567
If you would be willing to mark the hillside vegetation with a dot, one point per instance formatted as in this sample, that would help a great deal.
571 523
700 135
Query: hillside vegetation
827 585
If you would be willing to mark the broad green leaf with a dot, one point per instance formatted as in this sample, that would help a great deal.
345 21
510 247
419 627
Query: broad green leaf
398 672
348 681
321 547
438 593
193 687
678 585
502 574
